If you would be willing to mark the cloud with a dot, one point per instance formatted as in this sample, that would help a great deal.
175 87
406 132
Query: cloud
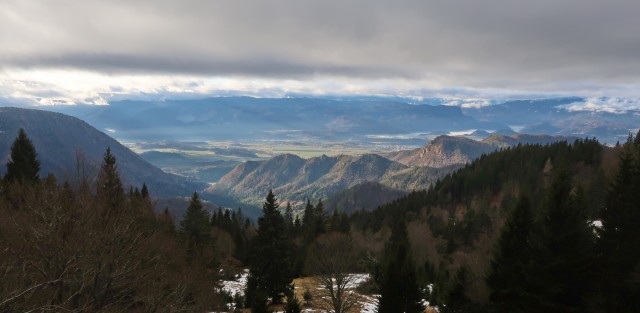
470 103
457 48
606 105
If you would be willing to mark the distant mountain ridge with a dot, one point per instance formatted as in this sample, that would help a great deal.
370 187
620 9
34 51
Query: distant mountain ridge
445 151
292 177
361 119
295 179
67 147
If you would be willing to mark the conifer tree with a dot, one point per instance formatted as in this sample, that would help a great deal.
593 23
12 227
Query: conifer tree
271 262
320 218
288 217
23 166
561 267
618 244
144 192
308 219
506 278
457 300
195 226
108 186
399 289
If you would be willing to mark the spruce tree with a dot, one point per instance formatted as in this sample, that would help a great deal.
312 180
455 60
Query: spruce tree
399 289
271 261
194 226
506 278
320 218
308 219
288 218
23 167
561 267
144 192
618 244
108 186
457 300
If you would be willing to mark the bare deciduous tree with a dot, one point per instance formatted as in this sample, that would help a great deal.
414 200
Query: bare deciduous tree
332 259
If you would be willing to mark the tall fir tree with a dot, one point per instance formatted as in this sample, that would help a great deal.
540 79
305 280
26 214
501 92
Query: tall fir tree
506 278
288 218
144 192
618 243
195 227
308 218
271 264
109 186
320 218
560 273
456 298
23 167
399 288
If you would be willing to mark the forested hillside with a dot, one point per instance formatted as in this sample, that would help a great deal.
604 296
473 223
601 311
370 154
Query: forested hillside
462 229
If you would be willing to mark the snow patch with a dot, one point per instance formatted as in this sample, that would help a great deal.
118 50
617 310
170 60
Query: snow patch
236 287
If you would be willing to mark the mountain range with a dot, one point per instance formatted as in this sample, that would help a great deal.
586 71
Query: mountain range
296 179
367 120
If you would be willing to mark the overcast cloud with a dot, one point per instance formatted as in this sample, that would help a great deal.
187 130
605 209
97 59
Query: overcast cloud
458 48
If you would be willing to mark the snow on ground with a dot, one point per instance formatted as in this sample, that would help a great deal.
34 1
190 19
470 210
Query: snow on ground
597 224
368 303
234 287
356 280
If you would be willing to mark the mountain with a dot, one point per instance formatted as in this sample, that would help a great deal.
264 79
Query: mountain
295 179
364 120
246 118
443 151
446 151
70 148
572 116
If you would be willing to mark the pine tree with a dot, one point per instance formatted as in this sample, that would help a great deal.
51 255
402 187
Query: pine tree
271 261
195 227
23 167
618 244
506 278
399 289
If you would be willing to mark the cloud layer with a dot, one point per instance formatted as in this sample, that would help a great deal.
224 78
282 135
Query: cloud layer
584 47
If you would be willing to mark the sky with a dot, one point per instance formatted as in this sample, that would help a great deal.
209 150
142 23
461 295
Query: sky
94 52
